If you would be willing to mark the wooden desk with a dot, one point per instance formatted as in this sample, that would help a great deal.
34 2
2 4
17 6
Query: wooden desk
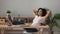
20 27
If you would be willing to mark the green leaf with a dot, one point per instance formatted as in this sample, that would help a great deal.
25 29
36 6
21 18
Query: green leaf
57 25
57 16
8 11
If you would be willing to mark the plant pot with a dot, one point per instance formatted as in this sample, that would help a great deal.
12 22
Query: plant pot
8 13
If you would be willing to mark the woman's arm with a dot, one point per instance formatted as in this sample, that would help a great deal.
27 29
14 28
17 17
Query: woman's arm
48 14
34 12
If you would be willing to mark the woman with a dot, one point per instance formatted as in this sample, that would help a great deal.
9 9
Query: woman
40 17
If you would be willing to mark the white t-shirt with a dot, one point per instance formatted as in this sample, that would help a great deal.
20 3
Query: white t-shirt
37 20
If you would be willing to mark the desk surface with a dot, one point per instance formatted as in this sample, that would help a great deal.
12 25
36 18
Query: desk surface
20 27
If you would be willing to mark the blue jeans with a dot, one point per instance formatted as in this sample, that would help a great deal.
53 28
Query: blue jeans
42 24
17 23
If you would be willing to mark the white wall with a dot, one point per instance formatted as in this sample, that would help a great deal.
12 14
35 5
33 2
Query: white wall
25 7
22 7
54 5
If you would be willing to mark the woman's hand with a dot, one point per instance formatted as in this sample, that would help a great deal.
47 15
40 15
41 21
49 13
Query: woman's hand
48 14
34 12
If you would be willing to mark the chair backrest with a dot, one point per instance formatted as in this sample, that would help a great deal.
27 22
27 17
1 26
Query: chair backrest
2 21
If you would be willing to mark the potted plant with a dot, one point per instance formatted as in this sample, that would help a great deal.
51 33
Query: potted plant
51 21
8 12
9 17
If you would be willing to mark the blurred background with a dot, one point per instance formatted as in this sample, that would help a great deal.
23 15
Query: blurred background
25 7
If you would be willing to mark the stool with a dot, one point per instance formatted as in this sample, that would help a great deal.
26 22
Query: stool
31 30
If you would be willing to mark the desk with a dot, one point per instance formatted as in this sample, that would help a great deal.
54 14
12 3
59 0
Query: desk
20 27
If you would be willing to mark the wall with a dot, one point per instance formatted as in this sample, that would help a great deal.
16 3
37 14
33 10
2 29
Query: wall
22 7
54 5
25 7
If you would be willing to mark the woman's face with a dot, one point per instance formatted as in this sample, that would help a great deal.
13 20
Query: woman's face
40 12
